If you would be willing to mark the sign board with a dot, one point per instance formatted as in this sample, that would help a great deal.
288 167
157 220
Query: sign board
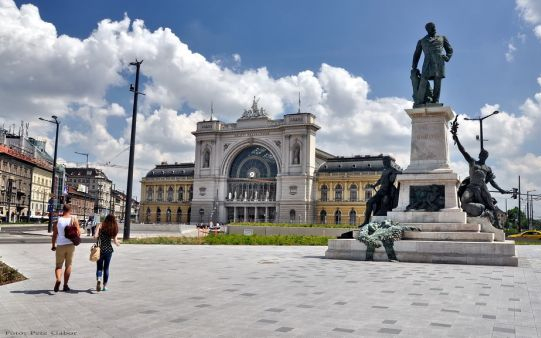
248 232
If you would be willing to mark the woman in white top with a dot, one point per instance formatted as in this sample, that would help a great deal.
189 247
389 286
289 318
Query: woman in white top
63 247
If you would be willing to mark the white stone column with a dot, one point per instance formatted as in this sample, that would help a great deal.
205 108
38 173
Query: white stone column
266 214
255 214
234 214
245 214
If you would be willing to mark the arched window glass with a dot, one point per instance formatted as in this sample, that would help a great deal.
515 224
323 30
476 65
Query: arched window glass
147 220
338 217
150 194
160 194
292 215
353 193
179 215
170 192
190 193
352 217
324 192
158 215
180 194
338 193
368 192
168 215
323 217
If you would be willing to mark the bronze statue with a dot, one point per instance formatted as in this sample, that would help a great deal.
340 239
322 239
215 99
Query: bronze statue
386 198
432 46
473 192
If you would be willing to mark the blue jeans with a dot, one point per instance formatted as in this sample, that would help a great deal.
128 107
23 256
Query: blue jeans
102 266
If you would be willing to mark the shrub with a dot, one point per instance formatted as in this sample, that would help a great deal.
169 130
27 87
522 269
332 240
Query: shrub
293 225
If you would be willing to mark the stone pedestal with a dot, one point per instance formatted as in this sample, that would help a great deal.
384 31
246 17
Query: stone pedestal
446 235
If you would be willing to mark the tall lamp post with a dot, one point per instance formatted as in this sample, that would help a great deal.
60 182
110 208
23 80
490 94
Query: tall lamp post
529 214
84 154
135 90
53 192
480 119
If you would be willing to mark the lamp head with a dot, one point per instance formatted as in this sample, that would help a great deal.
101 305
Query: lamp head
132 88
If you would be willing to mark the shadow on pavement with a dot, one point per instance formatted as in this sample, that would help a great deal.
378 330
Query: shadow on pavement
50 292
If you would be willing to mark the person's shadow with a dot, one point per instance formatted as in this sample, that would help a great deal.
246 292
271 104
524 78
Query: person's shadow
50 292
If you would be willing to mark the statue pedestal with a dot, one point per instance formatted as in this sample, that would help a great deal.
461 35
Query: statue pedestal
446 235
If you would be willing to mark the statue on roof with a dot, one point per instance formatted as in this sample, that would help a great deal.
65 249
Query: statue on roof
254 112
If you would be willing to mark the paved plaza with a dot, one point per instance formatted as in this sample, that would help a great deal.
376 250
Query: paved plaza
264 291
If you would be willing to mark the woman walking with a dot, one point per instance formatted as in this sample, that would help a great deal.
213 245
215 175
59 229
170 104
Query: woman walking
63 247
105 232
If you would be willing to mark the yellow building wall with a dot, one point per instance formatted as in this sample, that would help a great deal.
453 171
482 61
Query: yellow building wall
331 206
153 203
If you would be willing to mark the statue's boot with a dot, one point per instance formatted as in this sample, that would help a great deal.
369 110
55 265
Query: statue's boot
389 249
370 253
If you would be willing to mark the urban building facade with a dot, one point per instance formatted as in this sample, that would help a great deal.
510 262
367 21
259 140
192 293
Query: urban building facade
41 192
99 186
82 203
260 170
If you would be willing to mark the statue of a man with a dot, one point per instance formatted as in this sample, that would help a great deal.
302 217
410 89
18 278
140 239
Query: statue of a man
473 193
385 198
433 47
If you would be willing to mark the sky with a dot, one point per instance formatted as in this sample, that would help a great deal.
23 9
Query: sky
349 60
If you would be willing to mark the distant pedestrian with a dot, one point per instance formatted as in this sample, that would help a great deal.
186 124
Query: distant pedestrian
95 221
105 232
89 224
63 247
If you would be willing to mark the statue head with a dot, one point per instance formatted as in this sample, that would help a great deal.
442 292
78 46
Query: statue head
483 155
430 28
371 228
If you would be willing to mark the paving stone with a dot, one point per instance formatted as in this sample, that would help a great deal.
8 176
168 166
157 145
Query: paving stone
339 329
489 316
267 321
388 321
440 325
504 330
274 310
389 331
284 329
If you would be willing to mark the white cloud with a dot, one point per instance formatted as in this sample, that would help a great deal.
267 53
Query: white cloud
509 55
530 11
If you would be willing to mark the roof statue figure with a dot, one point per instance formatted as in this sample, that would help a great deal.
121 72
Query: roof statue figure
437 51
254 112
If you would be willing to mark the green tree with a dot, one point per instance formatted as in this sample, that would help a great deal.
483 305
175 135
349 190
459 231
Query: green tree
512 219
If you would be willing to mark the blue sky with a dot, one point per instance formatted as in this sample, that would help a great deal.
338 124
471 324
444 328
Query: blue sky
349 59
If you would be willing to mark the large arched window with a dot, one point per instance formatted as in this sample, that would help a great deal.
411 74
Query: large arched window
338 192
324 192
254 162
160 194
150 194
292 215
170 192
158 215
323 217
352 217
190 193
367 192
168 216
179 215
353 193
180 194
338 217
147 218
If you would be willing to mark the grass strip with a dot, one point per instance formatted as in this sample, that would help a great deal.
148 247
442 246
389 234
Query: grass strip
294 225
9 275
224 239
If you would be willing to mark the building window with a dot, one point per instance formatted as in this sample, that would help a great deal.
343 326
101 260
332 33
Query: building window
148 216
338 193
168 215
158 215
160 194
352 217
338 217
292 215
189 216
190 193
368 192
180 194
323 217
150 194
179 215
170 194
324 191
353 193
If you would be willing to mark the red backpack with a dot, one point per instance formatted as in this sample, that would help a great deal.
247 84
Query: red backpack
71 233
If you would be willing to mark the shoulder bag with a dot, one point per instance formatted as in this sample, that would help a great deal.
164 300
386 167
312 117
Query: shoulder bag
95 251
71 232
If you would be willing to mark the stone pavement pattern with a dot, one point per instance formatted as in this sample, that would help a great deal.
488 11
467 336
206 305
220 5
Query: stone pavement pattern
242 291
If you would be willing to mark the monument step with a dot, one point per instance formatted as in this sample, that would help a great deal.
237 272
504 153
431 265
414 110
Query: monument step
455 216
449 236
485 253
447 227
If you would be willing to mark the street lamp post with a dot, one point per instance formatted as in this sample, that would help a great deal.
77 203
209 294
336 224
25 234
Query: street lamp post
53 193
480 119
84 154
529 214
136 93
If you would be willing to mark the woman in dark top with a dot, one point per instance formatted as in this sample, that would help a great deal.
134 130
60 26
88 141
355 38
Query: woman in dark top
106 231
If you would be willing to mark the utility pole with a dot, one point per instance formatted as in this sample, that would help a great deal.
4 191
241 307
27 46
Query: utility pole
519 198
84 154
10 191
53 192
136 93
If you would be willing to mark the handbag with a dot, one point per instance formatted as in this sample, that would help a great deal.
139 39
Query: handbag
95 251
71 232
